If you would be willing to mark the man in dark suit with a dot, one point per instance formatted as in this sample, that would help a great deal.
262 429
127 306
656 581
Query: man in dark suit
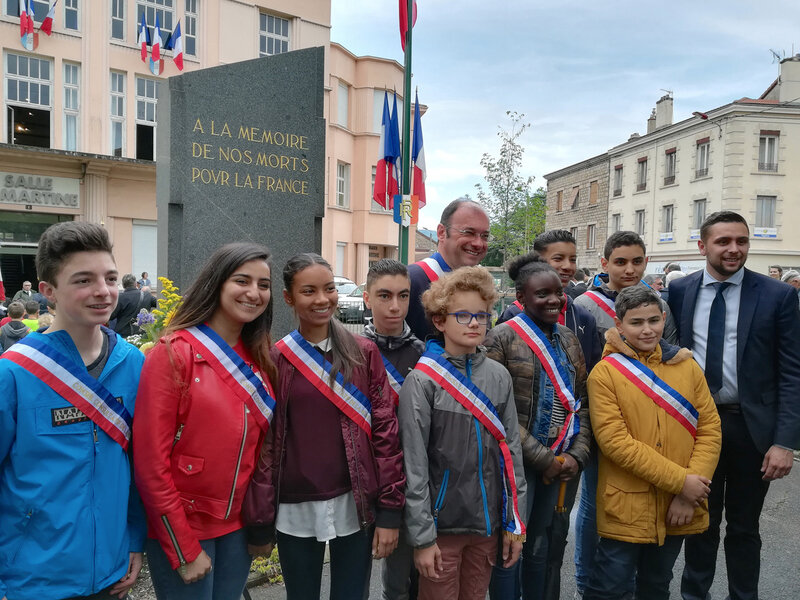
744 329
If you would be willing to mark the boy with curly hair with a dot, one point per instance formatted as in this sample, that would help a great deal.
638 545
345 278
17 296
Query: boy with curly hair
457 411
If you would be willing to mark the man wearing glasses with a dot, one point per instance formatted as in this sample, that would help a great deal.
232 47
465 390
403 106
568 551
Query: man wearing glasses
463 234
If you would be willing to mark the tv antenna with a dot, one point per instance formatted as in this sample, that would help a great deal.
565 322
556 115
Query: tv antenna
776 57
669 92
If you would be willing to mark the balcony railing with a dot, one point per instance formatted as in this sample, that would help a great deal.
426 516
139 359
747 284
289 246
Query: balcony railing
701 173
640 187
669 180
768 166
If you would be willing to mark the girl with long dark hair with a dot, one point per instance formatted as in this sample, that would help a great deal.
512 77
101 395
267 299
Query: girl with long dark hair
205 402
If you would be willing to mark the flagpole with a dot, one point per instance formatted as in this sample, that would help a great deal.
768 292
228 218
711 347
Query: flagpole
406 175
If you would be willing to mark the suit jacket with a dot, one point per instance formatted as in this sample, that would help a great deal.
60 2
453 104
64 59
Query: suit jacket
767 353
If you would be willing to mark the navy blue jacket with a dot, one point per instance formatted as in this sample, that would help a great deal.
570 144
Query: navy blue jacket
767 353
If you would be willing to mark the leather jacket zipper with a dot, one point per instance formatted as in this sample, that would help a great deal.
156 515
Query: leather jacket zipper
173 539
177 435
238 464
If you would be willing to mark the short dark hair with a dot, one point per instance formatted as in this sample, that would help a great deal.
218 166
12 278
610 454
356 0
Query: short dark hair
634 297
32 307
128 281
523 267
16 310
622 238
553 236
673 266
721 216
587 271
144 274
450 209
61 240
780 268
385 266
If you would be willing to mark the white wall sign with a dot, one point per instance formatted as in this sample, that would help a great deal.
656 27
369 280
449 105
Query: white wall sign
39 190
765 232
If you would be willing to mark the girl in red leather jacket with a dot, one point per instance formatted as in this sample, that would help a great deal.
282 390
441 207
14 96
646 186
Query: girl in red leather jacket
331 469
205 401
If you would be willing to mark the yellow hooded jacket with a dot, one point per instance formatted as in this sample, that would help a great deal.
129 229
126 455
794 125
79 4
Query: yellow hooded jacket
645 453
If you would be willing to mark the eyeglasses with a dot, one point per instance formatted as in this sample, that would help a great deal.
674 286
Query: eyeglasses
464 317
472 234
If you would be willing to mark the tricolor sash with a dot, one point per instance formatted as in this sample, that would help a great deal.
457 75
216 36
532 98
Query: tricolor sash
471 397
605 304
312 364
518 304
434 266
234 371
395 380
657 390
73 383
543 349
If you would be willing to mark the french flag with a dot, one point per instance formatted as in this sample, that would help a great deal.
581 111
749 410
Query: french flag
385 182
47 24
398 156
26 24
176 41
418 160
144 38
155 53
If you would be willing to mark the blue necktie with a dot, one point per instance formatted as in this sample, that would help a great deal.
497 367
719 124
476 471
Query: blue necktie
716 339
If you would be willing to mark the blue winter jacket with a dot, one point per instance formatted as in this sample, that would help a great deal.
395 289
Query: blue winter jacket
65 489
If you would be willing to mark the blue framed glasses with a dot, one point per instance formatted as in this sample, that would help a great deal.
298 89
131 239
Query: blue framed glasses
464 317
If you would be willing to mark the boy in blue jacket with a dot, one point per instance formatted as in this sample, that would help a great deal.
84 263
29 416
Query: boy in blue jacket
71 524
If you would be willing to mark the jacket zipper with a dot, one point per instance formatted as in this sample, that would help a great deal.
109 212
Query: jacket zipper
178 435
359 499
23 535
480 459
440 497
173 539
238 463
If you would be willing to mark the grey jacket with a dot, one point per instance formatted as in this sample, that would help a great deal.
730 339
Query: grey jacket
506 347
11 333
605 322
452 463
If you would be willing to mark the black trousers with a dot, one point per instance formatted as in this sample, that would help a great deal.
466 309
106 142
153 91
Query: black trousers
737 488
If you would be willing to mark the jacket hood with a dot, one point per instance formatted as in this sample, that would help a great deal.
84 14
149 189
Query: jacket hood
664 352
15 330
392 342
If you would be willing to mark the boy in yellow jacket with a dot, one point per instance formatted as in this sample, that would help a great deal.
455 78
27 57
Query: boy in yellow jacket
659 438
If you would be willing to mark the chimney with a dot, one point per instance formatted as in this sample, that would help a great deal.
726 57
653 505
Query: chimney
790 79
651 122
664 111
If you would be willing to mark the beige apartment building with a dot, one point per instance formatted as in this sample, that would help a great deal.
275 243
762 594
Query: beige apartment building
80 121
577 200
738 157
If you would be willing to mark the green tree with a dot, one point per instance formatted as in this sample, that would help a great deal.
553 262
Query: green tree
515 211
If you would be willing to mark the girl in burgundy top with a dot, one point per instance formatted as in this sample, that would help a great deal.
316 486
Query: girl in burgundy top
202 409
326 474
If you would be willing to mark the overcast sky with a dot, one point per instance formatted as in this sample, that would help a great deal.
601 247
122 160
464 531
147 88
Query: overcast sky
585 74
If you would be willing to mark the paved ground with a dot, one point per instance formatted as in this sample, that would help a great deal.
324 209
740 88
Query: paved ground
780 569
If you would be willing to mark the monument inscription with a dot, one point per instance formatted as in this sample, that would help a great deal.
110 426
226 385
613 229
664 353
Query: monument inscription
241 156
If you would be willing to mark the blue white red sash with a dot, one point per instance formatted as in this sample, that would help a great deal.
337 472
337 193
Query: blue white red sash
518 304
234 371
543 350
471 397
605 304
434 266
312 364
657 390
73 383
395 380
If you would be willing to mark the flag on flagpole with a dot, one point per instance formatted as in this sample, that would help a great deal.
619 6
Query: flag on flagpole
47 24
144 38
404 20
26 24
155 51
398 154
418 163
176 43
385 182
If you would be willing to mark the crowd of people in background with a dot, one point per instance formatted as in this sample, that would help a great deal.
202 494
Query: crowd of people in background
447 443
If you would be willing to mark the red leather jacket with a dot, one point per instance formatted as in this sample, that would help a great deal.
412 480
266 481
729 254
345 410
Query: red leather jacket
195 448
375 466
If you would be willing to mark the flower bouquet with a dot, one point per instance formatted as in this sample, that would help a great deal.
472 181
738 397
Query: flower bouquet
152 323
